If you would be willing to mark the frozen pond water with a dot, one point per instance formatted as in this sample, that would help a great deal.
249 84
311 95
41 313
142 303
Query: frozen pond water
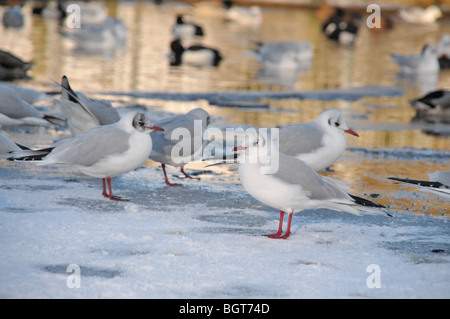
200 240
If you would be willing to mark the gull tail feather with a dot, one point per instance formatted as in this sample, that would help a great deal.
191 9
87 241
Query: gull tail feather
30 155
55 120
369 206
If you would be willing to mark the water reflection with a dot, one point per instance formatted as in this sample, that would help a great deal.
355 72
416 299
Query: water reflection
144 65
383 122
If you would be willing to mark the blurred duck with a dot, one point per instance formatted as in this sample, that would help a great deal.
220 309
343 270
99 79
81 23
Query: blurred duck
342 26
433 106
15 111
83 113
424 63
13 17
197 55
12 67
420 15
186 30
251 16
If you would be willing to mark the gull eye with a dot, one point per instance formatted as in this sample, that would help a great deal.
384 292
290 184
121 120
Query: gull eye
336 123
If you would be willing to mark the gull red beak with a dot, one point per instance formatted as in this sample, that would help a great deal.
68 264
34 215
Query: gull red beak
239 148
349 131
156 128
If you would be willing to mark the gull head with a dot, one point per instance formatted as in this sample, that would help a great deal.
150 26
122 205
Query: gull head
333 121
142 124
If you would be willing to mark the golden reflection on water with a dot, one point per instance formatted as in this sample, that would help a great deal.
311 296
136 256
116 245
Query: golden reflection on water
382 122
143 65
370 177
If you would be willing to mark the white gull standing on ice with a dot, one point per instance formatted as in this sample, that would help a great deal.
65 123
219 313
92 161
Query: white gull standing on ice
164 148
103 151
293 186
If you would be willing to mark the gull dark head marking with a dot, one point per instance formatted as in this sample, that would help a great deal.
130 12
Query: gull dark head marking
140 122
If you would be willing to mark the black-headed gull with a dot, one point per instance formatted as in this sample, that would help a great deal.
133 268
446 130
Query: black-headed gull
196 55
420 15
439 183
83 113
318 143
186 30
165 143
291 186
415 64
13 67
15 111
103 151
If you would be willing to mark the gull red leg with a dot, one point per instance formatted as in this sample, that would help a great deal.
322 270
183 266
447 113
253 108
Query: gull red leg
104 188
111 196
165 177
280 227
288 230
185 174
278 235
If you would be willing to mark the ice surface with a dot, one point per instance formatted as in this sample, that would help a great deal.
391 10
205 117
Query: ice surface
201 240
222 97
